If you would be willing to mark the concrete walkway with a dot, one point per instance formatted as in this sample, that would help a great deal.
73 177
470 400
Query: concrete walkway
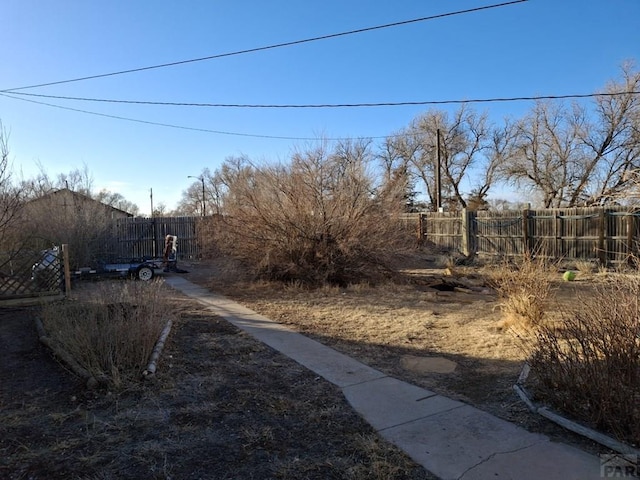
450 439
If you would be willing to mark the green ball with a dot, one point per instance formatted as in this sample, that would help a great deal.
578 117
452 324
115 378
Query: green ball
569 276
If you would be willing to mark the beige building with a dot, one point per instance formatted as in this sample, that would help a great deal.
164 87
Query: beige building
66 217
65 201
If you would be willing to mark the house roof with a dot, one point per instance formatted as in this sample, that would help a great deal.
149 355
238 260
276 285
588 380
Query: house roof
79 196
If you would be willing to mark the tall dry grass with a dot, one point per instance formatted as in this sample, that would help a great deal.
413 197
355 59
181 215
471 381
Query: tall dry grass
524 289
588 364
113 333
586 359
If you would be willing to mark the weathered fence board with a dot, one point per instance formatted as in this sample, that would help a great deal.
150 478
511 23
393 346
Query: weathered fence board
498 232
607 234
144 237
443 229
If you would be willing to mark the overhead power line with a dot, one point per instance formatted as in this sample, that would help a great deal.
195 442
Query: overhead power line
334 105
219 132
268 47
180 127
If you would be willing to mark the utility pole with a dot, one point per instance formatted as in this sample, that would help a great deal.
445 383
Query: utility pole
151 197
438 173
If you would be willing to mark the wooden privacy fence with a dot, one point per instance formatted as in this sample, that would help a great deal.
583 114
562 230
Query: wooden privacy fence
144 237
606 234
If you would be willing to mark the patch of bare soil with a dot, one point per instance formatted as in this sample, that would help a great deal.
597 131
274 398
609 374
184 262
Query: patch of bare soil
446 338
221 406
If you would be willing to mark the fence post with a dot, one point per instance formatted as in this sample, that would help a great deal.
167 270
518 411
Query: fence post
67 270
526 235
420 228
602 226
466 233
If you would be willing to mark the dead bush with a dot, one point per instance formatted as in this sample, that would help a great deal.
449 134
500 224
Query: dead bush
112 334
315 220
524 289
588 364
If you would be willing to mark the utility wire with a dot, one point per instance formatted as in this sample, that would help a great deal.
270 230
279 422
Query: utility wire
335 105
181 127
268 47
433 102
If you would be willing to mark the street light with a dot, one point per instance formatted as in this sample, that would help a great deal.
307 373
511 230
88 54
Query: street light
204 205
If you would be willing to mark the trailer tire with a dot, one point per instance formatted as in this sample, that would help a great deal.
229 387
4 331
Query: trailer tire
144 273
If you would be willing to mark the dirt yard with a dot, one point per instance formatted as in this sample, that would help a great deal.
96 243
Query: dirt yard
222 406
225 406
450 340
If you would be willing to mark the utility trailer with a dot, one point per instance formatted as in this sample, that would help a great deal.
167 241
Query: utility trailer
141 269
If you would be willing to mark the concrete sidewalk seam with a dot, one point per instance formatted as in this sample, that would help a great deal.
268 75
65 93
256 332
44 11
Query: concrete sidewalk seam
495 454
364 381
426 398
419 419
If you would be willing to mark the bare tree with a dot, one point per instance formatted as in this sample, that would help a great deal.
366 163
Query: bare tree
214 192
543 155
190 203
491 172
574 156
397 180
160 210
611 143
215 188
463 141
116 200
77 180
10 196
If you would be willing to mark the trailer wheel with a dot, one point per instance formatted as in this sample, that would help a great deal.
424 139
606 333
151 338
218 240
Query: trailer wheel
144 273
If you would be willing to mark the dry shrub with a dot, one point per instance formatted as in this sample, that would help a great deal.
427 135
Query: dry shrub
524 289
586 266
113 333
315 220
588 365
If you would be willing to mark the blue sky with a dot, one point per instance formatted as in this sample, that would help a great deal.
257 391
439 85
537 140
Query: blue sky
538 47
